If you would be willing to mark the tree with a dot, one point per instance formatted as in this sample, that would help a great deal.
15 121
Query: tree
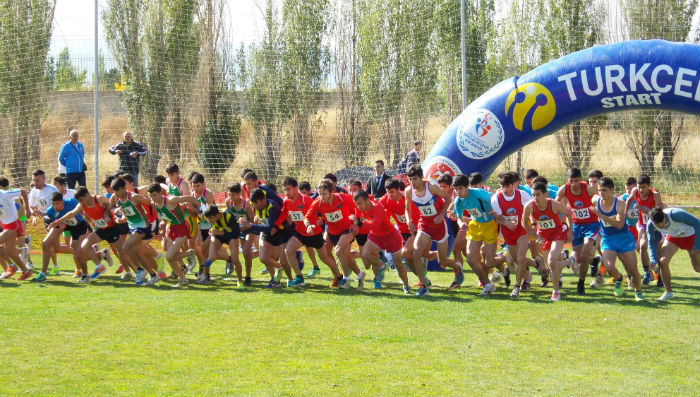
67 77
651 19
266 100
398 78
25 36
306 63
107 78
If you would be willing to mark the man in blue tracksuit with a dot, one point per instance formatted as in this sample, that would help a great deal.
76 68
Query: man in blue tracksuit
72 156
682 231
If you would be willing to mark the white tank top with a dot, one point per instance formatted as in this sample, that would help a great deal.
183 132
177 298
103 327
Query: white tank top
676 229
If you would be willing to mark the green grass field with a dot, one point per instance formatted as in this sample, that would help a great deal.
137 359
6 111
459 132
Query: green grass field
115 338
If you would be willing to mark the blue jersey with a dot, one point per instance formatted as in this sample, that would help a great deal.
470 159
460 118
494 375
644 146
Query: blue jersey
525 188
632 215
477 204
68 206
608 229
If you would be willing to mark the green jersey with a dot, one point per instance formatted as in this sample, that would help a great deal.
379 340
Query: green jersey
173 216
131 211
239 212
174 190
203 224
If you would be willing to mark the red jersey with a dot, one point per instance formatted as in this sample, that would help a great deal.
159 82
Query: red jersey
100 219
429 206
364 229
336 214
397 210
512 212
148 209
376 220
579 205
297 210
646 205
546 220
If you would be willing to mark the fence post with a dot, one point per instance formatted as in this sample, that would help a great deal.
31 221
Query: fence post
464 55
96 102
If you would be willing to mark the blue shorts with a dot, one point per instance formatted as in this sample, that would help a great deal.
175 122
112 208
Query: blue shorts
584 231
146 231
619 242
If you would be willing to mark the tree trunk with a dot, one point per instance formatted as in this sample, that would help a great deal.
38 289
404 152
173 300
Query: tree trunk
665 134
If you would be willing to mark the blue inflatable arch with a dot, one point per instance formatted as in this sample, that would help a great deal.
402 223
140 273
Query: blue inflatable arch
628 75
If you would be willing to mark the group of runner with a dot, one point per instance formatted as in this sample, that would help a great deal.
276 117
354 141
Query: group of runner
455 220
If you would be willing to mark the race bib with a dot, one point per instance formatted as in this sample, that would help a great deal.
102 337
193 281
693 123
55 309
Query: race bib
428 210
296 216
513 219
128 211
334 216
401 218
645 218
474 213
100 223
546 224
633 213
71 222
581 213
43 203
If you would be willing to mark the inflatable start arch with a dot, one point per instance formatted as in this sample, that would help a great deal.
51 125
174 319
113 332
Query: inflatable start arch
629 75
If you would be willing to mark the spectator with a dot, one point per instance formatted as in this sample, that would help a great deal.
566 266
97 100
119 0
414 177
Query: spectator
375 184
412 158
72 156
129 151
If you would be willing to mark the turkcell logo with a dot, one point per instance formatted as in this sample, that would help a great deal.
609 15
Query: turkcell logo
531 107
480 135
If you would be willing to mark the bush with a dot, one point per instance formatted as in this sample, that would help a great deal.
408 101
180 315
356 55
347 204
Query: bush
217 144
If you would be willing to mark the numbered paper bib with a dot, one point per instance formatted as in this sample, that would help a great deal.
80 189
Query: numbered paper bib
546 224
474 213
296 216
43 204
128 211
513 219
633 213
581 213
334 216
428 210
71 222
645 218
100 223
401 218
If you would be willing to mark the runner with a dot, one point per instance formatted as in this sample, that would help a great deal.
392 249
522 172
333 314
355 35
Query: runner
170 211
646 198
39 202
98 210
136 245
224 230
597 271
508 206
11 229
481 230
297 205
242 209
76 226
551 233
205 198
335 209
432 203
682 231
382 237
22 242
617 240
577 195
180 187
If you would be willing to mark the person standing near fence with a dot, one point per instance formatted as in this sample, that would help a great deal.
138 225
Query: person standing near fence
129 152
72 156
375 184
412 158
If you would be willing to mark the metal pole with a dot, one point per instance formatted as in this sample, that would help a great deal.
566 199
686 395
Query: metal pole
95 104
464 55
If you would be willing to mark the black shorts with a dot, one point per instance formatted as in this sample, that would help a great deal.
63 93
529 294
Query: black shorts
336 237
123 228
405 237
228 236
361 239
110 234
277 239
455 227
78 230
205 234
315 241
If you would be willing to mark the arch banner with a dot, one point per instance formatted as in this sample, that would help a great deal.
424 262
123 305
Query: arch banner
635 74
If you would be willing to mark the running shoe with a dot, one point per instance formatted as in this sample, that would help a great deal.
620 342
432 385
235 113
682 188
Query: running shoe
506 277
55 271
181 283
240 285
7 274
247 282
574 263
407 290
297 282
300 259
25 275
314 272
152 280
459 276
488 289
422 290
618 288
344 283
140 276
453 286
666 296
638 296
597 282
98 271
192 259
336 282
361 280
278 275
495 277
647 278
39 278
77 274
271 284
526 286
381 273
127 276
516 292
581 287
84 279
376 284
556 296
108 257
206 280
